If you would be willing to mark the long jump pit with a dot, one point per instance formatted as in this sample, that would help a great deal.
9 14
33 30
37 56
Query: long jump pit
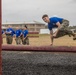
38 60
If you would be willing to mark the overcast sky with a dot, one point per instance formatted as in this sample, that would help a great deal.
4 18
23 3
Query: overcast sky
32 10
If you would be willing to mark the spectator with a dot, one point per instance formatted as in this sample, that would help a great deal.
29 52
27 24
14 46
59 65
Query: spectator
25 36
9 34
17 35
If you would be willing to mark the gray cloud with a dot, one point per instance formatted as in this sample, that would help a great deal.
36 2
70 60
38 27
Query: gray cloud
74 0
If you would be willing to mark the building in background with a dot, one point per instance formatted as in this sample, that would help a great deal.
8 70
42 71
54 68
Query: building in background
32 26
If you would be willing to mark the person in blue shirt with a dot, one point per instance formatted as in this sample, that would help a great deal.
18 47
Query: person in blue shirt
9 34
61 24
21 36
2 31
17 35
2 35
25 36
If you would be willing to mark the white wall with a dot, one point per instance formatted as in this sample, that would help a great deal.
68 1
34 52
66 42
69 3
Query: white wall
46 31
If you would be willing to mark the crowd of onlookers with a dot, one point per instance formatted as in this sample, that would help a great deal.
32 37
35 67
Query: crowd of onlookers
21 36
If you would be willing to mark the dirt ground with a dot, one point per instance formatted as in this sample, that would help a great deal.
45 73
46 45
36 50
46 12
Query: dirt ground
45 40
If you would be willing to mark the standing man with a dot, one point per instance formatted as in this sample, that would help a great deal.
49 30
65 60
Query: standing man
2 35
9 35
60 23
2 31
17 35
25 36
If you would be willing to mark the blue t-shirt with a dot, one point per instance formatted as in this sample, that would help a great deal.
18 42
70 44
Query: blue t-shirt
18 33
11 31
25 32
53 21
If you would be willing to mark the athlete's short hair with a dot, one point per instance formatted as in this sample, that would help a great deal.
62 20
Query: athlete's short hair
45 15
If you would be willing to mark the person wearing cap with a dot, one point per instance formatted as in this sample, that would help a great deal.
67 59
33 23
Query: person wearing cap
61 24
25 36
